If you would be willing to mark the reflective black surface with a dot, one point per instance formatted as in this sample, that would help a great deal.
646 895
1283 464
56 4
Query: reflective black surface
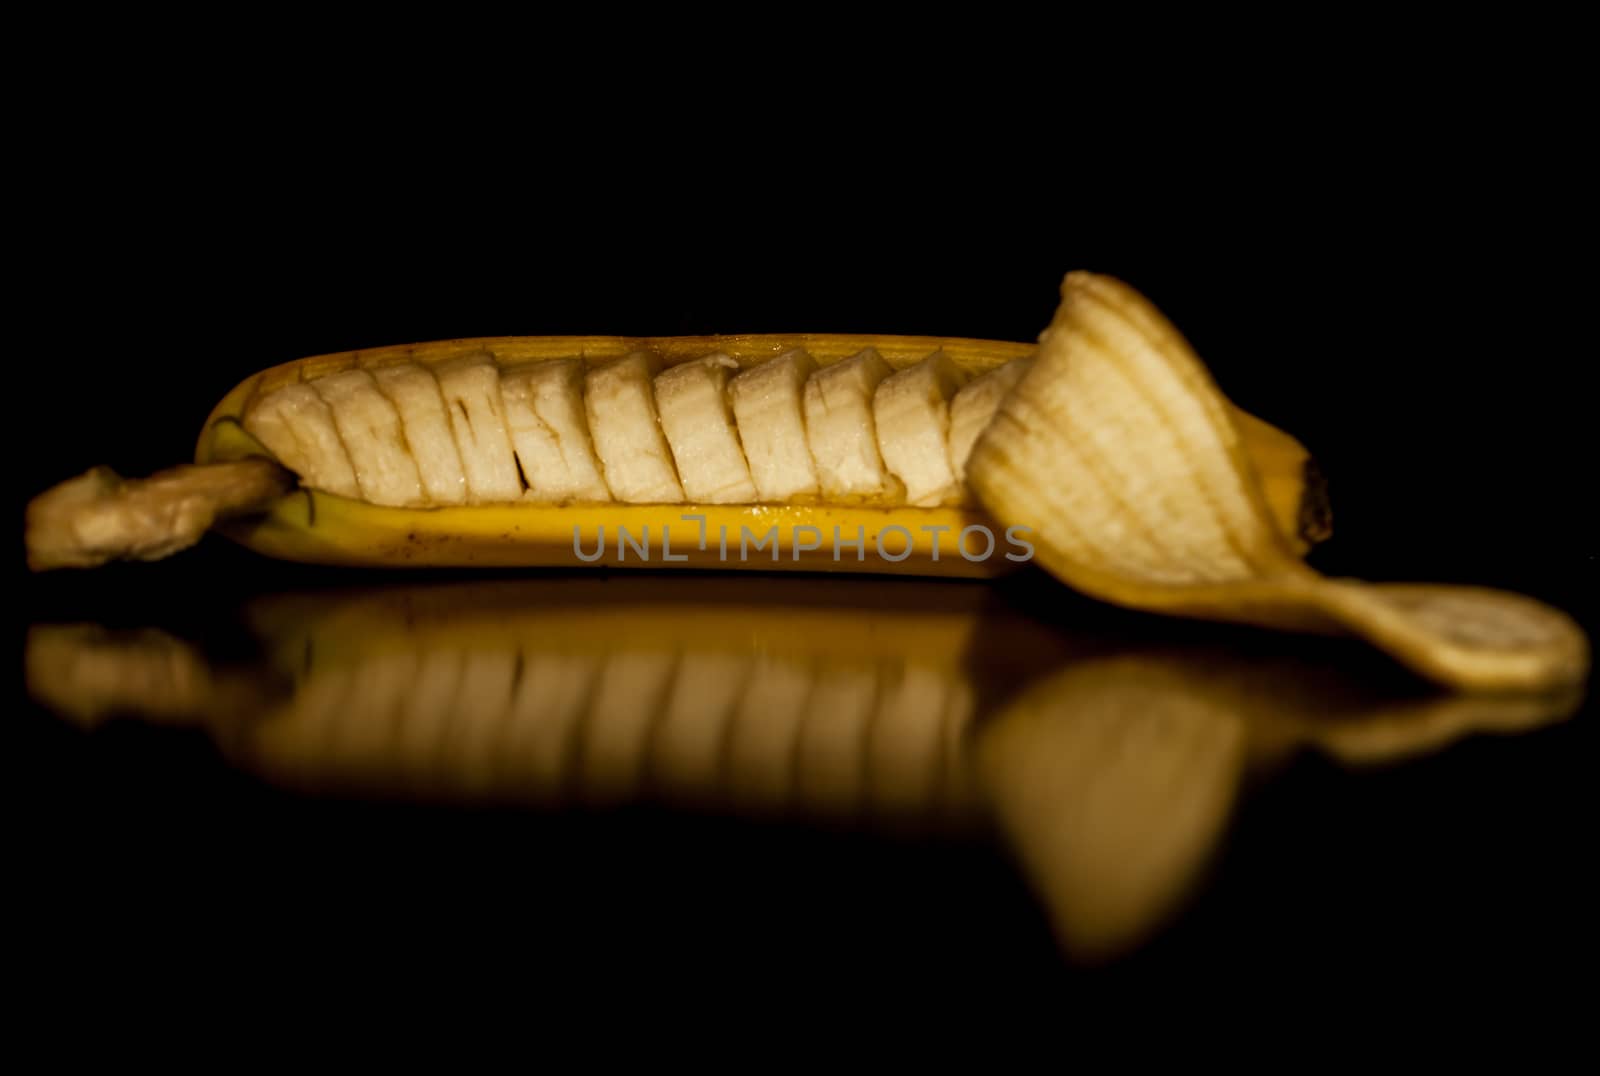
913 787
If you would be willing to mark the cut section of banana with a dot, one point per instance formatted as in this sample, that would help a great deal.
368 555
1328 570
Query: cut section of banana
693 400
973 407
550 432
768 403
471 389
414 391
842 432
620 403
296 424
370 428
912 412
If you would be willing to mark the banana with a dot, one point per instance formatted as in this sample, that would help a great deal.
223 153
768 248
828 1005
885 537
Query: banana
1109 453
510 440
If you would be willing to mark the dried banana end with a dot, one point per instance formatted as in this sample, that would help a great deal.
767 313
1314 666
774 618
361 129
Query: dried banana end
99 516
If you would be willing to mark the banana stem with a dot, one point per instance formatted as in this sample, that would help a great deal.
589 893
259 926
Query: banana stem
100 516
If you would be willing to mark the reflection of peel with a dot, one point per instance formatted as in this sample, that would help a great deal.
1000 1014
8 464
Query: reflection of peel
1112 773
1113 781
1113 778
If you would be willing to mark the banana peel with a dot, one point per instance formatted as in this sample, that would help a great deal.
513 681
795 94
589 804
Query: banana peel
1129 466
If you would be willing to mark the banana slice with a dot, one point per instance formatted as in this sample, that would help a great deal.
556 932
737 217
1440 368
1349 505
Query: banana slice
768 402
693 400
620 403
973 407
370 428
414 392
297 425
912 411
550 432
1120 455
842 432
471 389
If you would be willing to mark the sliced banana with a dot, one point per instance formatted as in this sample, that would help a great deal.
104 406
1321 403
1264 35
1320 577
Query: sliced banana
471 389
692 398
550 432
842 432
973 407
297 425
370 428
620 403
768 402
912 412
414 392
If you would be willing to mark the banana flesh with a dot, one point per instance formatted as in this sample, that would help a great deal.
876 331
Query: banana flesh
471 389
698 421
372 433
912 410
296 424
974 406
620 403
843 432
417 399
768 403
550 432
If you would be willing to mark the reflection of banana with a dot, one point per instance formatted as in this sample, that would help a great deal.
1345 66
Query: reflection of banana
1113 778
1113 781
608 694
86 673
1111 773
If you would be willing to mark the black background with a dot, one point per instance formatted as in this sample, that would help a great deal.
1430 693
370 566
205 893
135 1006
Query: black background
1403 281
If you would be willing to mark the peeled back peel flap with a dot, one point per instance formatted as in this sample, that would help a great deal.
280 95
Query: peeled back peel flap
1120 453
